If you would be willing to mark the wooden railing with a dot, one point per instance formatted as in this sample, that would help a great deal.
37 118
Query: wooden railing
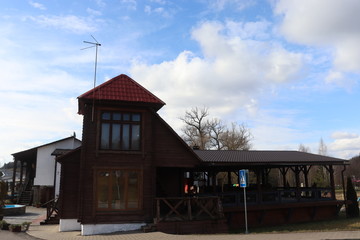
188 209
52 210
277 196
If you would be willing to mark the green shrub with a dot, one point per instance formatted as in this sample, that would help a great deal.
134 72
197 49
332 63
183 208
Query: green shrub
4 225
352 208
25 226
15 227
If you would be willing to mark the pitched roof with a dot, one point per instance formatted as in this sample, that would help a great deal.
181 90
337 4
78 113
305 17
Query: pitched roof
227 157
125 89
32 152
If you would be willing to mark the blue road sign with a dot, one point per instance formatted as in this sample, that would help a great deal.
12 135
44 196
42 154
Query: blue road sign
243 178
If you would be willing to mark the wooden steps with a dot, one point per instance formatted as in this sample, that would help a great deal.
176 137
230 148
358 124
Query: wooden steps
25 197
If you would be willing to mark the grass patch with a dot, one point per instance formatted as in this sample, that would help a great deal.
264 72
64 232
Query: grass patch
339 224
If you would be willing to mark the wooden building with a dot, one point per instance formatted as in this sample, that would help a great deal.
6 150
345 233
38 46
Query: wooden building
134 171
39 174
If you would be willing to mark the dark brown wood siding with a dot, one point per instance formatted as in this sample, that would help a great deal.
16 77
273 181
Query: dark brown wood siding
93 159
160 146
69 186
169 149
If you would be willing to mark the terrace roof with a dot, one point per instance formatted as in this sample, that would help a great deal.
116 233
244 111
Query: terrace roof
236 157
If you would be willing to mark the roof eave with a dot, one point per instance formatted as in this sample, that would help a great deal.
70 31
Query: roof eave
83 101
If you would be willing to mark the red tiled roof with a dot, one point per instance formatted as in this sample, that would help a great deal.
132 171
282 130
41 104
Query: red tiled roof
122 88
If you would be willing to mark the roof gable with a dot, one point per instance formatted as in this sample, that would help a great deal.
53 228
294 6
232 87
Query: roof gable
32 152
169 148
123 89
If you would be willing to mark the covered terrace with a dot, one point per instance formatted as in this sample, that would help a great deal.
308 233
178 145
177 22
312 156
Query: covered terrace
284 186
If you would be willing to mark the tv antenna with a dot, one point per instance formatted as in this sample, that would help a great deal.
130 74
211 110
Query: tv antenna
95 44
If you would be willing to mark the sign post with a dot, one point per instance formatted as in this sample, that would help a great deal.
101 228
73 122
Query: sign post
243 177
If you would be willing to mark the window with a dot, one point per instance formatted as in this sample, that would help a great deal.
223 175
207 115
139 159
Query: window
120 131
118 189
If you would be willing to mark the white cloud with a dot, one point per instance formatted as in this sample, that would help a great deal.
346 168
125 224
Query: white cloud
344 135
249 30
100 3
31 118
71 23
228 76
159 1
147 9
339 79
345 144
346 148
93 12
37 5
130 4
219 5
36 95
329 24
159 11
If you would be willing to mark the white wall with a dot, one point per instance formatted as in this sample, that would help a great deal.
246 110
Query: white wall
57 183
66 225
92 229
45 162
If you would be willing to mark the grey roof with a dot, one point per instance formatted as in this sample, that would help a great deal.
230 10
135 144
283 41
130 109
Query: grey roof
60 151
219 157
30 154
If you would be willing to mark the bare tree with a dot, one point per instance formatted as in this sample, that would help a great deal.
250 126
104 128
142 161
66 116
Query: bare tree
303 148
196 129
238 137
322 148
321 174
213 133
216 130
310 171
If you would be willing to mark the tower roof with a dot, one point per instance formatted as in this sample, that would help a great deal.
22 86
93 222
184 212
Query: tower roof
122 89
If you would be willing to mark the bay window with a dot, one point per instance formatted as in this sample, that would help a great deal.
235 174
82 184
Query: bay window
120 131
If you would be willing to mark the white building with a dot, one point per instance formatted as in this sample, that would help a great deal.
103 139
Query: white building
39 172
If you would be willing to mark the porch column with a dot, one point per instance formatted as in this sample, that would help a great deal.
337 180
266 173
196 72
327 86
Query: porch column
332 182
283 172
306 175
213 179
258 185
21 172
14 179
297 180
229 178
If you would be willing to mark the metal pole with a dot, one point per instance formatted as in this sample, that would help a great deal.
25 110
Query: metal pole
246 223
93 106
95 44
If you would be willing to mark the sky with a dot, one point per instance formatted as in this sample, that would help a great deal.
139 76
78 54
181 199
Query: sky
288 70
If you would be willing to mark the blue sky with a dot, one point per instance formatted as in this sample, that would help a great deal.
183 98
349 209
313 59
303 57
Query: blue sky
287 69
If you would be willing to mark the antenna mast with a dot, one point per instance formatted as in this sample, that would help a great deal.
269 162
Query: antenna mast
95 44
